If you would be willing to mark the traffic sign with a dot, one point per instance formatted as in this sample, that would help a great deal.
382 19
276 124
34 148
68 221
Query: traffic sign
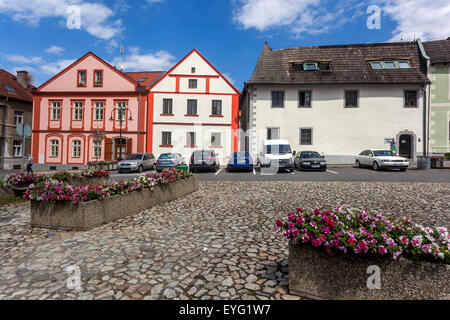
23 129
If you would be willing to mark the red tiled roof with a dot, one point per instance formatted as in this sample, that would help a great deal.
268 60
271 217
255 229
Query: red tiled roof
150 76
10 80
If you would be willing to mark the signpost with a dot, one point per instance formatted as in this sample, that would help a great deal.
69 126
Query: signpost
23 130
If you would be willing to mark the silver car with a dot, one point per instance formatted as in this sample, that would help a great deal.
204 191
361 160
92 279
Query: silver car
169 160
137 162
381 159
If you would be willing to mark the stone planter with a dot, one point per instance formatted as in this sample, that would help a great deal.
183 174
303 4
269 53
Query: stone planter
85 181
446 164
440 164
7 193
87 215
318 275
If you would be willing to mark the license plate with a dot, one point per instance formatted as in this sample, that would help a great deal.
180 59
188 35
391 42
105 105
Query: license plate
198 161
241 162
315 166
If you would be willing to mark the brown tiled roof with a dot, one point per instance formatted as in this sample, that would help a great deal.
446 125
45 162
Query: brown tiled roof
10 80
151 76
438 51
349 64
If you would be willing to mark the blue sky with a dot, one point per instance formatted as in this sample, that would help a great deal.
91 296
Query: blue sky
229 33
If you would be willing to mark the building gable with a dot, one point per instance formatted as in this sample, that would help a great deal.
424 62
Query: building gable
67 79
194 66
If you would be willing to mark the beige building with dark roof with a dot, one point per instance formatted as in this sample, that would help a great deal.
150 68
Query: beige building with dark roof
16 106
338 100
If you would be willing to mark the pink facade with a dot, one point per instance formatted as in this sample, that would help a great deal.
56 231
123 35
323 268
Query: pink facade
70 108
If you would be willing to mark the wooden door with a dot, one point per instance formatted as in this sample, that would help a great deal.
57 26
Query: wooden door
405 143
108 149
129 146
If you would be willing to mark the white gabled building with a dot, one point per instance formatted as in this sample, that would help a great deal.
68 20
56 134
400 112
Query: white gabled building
193 106
338 100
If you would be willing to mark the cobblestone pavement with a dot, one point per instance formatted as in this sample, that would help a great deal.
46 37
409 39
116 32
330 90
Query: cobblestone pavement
218 243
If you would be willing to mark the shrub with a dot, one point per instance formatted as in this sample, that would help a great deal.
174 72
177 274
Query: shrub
363 232
447 156
18 178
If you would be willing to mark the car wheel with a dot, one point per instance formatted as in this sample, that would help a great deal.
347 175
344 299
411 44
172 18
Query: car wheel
375 166
403 170
154 167
358 164
140 169
120 171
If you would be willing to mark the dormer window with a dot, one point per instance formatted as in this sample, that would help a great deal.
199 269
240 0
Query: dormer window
193 70
324 66
390 64
310 66
142 79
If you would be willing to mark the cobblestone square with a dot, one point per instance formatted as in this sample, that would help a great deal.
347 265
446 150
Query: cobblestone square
218 243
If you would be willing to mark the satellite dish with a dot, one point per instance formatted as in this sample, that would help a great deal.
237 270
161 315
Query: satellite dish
122 66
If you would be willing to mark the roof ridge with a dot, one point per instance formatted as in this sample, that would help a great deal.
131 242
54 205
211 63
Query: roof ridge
350 45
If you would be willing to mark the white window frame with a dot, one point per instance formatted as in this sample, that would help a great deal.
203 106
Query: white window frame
77 111
18 117
121 107
99 112
56 111
76 148
97 152
54 148
17 148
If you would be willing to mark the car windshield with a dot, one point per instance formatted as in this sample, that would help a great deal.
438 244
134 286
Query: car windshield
167 156
309 155
383 153
135 156
202 154
278 149
241 155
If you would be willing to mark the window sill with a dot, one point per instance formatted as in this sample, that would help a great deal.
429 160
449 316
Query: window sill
191 146
304 107
191 115
215 116
166 115
165 146
216 147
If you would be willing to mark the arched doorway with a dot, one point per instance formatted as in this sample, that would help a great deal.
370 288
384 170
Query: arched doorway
406 146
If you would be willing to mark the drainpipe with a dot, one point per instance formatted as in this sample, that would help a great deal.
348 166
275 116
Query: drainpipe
139 122
3 137
425 122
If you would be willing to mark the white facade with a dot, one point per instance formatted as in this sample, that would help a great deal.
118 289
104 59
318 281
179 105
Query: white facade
210 86
339 133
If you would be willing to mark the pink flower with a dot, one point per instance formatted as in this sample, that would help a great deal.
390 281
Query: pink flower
316 242
382 249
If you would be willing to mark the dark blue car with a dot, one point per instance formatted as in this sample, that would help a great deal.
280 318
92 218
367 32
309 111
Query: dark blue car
240 160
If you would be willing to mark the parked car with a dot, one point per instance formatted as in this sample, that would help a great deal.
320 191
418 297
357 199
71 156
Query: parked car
204 160
380 159
137 162
310 160
169 160
240 160
277 153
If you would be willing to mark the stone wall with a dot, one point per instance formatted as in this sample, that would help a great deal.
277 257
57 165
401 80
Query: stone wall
318 275
87 215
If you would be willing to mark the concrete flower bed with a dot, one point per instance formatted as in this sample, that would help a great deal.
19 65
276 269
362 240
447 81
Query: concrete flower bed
319 275
87 215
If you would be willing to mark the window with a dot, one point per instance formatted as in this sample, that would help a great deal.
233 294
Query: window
56 111
121 107
273 133
390 65
9 89
142 79
78 111
324 66
376 65
216 139
97 149
304 99
54 148
76 149
216 108
404 64
82 78
166 139
351 99
310 66
190 139
167 106
98 78
277 99
98 111
192 107
295 66
411 99
17 148
192 83
305 136
193 70
18 117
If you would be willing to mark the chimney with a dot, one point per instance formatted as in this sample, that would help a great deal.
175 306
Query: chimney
23 78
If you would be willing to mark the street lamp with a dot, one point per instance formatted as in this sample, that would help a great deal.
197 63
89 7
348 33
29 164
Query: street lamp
121 116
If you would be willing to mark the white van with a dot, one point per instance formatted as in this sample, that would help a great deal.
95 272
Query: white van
277 153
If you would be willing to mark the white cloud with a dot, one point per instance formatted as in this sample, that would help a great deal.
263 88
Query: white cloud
299 16
96 18
54 49
424 19
135 61
22 59
52 68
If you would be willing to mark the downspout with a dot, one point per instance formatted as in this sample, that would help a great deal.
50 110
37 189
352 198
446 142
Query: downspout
139 122
3 146
425 122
